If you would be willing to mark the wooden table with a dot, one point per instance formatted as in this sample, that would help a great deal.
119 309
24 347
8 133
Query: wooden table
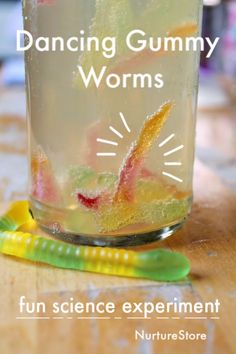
208 239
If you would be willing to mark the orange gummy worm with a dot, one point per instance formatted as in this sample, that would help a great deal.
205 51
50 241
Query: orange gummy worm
134 160
147 55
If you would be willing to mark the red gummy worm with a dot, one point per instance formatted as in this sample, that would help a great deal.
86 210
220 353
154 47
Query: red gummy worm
90 203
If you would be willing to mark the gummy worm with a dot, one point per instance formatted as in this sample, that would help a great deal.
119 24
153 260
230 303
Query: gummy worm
159 264
133 163
135 158
45 2
147 55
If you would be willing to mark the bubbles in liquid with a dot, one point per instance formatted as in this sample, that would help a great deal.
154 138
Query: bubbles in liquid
61 115
56 228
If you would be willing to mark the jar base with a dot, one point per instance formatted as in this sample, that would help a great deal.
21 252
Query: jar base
44 214
117 241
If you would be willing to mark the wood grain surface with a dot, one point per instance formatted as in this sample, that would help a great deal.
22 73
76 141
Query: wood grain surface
208 239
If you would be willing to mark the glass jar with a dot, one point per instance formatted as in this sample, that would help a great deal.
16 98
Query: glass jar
111 112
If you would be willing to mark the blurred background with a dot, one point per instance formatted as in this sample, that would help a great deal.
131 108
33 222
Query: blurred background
216 143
